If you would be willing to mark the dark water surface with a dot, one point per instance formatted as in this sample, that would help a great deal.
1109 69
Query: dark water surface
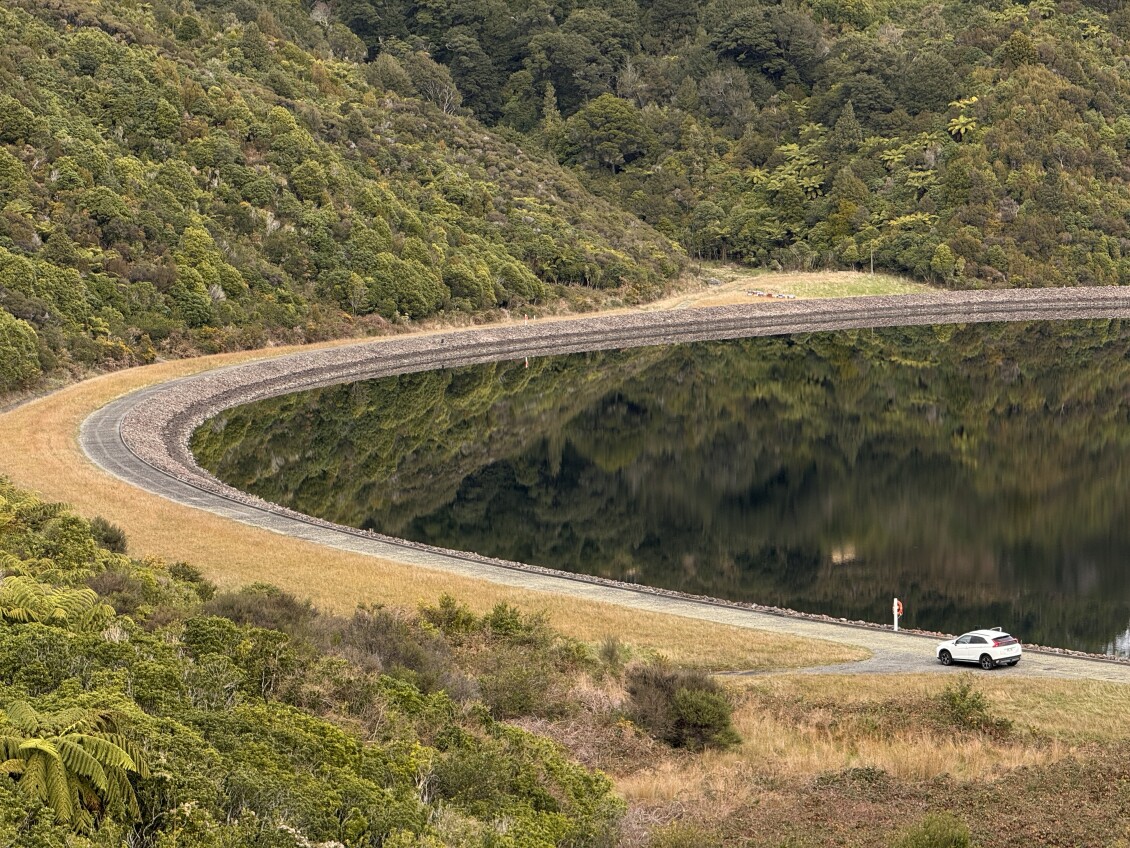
981 473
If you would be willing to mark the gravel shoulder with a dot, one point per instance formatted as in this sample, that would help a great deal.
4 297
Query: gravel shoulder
142 439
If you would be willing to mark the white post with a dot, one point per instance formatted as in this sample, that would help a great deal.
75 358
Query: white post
895 610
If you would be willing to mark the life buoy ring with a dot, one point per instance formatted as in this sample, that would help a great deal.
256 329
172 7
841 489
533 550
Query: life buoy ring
898 608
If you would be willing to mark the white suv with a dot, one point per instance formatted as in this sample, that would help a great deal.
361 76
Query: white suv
989 648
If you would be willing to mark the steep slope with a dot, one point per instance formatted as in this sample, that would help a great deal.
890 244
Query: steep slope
173 182
965 142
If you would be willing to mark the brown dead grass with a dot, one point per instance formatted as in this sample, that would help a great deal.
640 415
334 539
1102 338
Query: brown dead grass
814 774
1051 719
39 450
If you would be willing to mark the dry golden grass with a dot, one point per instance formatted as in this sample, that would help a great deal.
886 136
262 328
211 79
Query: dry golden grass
39 450
1051 718
1072 711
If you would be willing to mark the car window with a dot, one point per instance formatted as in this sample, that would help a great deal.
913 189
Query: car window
964 640
977 640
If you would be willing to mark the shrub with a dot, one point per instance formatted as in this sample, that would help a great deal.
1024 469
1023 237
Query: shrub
508 623
124 592
937 830
385 640
19 353
191 574
264 606
451 617
109 536
684 708
613 653
516 681
962 706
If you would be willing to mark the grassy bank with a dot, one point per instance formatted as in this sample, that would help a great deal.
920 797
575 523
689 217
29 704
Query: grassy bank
857 760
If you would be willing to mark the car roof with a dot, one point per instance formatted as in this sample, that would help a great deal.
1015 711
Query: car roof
995 633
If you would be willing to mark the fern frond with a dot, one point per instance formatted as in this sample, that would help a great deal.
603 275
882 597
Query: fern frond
121 792
79 762
105 751
59 790
10 746
37 512
23 716
75 719
140 760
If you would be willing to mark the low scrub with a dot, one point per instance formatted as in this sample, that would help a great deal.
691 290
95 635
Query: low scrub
684 708
937 830
962 706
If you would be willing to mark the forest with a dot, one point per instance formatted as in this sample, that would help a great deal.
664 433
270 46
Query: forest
179 178
180 183
967 143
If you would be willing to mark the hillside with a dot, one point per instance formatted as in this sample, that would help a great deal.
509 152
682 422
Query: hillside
174 183
963 142
177 179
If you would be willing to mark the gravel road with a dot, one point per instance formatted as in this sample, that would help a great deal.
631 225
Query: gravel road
143 439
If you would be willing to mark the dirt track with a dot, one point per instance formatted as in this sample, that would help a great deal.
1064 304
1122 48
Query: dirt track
143 437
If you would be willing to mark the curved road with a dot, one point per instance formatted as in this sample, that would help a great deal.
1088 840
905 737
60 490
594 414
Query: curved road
143 439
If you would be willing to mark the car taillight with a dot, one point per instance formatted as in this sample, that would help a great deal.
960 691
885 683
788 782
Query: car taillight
997 642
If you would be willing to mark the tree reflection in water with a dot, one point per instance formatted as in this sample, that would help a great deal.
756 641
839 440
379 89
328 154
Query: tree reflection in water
978 472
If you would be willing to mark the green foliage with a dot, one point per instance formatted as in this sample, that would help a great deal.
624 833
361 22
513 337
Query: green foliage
109 535
750 111
200 184
25 600
19 353
963 707
685 709
272 724
74 761
936 830
605 133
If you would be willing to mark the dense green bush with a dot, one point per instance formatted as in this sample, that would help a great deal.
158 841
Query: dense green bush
962 706
684 708
19 353
109 535
218 177
256 736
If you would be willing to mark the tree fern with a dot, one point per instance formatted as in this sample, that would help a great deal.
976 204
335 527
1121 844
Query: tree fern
74 761
24 600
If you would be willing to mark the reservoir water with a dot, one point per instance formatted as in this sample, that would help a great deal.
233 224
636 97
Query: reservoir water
981 473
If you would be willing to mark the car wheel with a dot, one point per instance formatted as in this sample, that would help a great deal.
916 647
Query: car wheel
987 662
946 658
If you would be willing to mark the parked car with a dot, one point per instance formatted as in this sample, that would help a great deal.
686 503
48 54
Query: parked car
987 648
